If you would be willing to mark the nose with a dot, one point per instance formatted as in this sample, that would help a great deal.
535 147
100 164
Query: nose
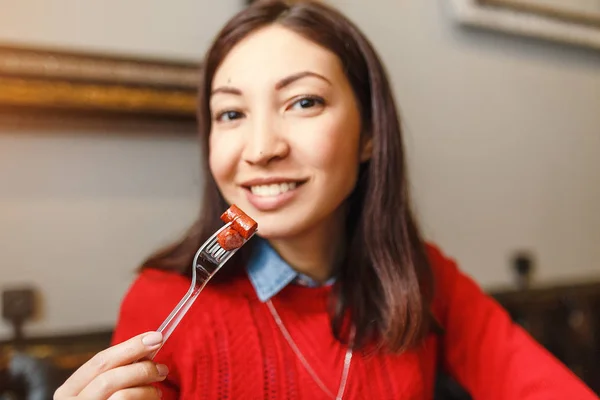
265 143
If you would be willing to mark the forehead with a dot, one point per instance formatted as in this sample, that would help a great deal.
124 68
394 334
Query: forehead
271 53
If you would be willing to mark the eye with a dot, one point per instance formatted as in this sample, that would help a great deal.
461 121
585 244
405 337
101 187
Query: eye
308 102
229 115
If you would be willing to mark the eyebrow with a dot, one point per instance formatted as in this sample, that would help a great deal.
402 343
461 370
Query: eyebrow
278 86
293 78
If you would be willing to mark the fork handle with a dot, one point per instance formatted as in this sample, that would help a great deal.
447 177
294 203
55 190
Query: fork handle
171 322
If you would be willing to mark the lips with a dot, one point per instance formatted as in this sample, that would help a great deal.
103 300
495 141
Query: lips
269 194
273 189
272 186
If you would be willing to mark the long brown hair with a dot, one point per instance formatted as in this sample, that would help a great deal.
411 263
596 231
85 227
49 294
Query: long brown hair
385 282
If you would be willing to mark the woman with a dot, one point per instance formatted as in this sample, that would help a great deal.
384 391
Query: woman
339 297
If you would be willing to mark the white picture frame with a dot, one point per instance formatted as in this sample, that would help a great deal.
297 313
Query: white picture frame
539 18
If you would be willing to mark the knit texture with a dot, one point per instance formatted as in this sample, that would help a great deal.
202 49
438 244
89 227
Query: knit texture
229 347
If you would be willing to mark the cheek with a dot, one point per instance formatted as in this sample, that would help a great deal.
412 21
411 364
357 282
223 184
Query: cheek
335 146
222 158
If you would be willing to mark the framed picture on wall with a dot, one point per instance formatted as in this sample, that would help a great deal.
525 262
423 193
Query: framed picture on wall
53 79
574 22
584 12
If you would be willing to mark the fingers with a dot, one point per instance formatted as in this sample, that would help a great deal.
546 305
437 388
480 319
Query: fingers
137 393
128 376
122 354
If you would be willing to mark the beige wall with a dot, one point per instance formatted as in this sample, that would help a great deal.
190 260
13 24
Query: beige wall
181 29
503 135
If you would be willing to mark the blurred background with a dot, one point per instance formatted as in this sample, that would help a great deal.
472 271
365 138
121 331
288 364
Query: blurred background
99 160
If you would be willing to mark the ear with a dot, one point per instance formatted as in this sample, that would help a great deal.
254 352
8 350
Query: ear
366 148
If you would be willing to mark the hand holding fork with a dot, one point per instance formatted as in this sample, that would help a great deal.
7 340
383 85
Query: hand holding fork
126 370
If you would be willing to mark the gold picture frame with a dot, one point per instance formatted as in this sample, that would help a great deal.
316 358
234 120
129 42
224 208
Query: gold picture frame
56 79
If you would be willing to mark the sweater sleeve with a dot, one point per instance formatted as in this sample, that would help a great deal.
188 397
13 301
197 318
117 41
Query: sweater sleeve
146 304
489 355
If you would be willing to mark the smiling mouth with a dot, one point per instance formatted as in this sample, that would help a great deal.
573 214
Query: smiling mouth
273 189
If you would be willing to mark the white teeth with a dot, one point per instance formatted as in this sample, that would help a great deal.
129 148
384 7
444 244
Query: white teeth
272 190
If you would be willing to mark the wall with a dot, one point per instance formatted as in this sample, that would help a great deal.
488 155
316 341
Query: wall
182 29
503 135
81 207
504 139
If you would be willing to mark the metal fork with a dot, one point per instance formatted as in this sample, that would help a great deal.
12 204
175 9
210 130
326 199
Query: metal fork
208 260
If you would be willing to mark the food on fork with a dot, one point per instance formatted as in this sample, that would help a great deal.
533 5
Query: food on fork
241 222
209 259
242 227
230 239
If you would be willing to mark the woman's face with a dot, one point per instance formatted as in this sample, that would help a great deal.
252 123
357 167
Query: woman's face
285 138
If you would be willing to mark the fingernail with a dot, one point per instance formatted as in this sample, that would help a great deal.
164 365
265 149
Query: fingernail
159 392
152 339
163 370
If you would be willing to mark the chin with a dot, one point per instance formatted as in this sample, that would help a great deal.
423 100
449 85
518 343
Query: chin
276 234
279 226
276 230
288 222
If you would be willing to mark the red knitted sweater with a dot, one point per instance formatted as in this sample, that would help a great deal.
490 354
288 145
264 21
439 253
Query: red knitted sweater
229 347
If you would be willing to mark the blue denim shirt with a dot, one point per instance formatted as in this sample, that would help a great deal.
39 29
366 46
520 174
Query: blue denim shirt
269 273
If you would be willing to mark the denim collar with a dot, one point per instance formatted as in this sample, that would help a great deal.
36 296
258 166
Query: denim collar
269 273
